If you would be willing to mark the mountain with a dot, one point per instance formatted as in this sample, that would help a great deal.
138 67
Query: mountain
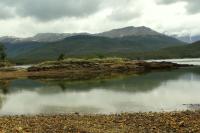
129 31
9 39
52 37
48 37
44 47
40 37
188 38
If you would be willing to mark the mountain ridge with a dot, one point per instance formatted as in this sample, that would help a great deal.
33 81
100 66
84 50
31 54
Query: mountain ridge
114 33
136 39
187 38
129 31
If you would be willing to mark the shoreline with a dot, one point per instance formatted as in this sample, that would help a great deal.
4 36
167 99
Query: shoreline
185 121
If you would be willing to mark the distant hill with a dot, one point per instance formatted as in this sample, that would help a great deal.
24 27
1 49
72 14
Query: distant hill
134 39
186 51
40 37
10 39
52 37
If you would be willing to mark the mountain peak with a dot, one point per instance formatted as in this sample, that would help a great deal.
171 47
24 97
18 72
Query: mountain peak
53 37
129 31
9 39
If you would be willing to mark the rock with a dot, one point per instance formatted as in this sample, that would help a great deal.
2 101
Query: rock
181 124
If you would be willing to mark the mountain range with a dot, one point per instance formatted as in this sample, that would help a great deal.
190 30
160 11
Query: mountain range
48 46
188 38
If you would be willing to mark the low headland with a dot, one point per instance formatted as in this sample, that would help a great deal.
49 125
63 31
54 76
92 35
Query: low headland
85 69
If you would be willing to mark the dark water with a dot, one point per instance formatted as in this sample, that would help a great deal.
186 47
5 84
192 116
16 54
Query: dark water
155 91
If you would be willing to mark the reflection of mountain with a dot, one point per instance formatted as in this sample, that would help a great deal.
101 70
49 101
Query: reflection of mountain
140 83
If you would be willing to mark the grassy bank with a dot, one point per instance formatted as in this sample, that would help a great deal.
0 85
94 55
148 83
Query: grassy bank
75 123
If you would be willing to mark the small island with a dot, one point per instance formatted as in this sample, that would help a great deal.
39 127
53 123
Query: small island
85 69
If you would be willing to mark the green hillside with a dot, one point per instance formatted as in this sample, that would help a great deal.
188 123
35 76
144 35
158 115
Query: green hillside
85 45
186 51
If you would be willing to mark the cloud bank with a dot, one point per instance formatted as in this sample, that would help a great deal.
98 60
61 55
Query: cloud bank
28 17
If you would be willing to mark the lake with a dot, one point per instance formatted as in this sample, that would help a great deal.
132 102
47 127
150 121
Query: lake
155 91
189 61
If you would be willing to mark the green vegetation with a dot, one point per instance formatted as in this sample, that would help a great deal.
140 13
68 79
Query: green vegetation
186 51
61 57
3 57
82 60
183 51
2 53
86 46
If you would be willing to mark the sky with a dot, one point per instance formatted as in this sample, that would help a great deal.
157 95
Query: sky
24 18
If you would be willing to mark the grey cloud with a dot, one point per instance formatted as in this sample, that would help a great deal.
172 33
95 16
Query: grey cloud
5 13
192 5
124 15
166 1
125 10
46 10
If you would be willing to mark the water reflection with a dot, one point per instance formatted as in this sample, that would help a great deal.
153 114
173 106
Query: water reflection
156 91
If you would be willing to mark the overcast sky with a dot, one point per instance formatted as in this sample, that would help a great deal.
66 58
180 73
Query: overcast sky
28 17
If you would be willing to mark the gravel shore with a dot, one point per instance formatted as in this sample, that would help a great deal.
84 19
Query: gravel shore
187 121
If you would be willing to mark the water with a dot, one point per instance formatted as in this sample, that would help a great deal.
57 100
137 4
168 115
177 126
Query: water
155 91
189 61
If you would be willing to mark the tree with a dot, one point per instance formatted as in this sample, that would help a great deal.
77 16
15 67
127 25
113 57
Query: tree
61 57
100 56
3 56
2 53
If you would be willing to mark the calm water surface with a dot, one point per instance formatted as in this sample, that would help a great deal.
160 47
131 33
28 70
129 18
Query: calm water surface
155 91
193 61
